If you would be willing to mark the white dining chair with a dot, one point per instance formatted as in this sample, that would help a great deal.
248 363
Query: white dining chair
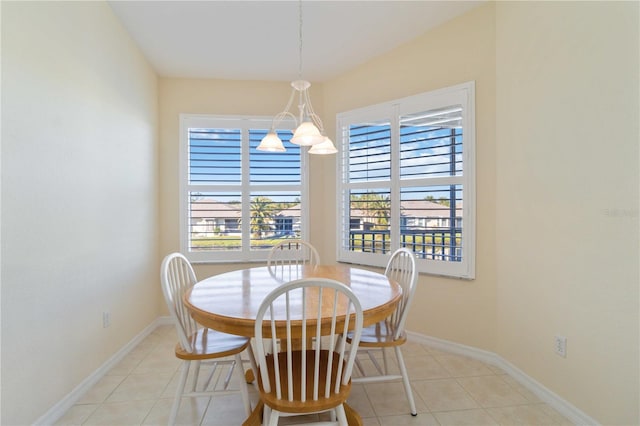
293 252
390 333
197 344
317 376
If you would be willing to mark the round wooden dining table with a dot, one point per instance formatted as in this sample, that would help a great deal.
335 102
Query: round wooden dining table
229 302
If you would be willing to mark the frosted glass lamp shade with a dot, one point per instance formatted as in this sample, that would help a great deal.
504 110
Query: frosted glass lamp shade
307 134
271 142
326 147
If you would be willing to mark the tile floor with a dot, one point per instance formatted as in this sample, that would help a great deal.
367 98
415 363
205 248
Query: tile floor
448 389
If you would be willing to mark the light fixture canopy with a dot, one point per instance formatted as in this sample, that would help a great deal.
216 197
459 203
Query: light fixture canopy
309 129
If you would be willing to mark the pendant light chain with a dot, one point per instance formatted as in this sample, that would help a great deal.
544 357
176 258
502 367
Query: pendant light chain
309 130
300 39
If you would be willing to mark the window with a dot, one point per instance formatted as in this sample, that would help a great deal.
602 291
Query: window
406 179
237 202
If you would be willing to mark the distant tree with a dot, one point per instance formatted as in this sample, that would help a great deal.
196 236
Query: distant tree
374 205
444 201
261 215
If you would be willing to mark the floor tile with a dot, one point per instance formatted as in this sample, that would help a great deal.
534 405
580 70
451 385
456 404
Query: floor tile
424 367
371 421
422 419
159 413
126 365
477 417
101 390
359 401
415 348
491 391
389 399
530 396
524 415
120 413
225 410
366 367
443 395
191 410
77 414
157 361
140 387
461 366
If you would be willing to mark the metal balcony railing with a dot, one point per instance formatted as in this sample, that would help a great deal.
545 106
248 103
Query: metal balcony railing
434 244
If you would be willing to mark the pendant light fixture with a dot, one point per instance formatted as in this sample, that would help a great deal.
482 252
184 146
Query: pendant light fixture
309 130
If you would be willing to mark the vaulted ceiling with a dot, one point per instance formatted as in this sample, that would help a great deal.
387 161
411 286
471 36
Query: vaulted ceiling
260 40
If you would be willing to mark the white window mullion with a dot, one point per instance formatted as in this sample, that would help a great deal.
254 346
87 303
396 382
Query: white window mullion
246 194
304 191
395 178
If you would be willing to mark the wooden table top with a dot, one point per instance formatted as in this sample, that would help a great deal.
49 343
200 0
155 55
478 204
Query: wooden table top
230 301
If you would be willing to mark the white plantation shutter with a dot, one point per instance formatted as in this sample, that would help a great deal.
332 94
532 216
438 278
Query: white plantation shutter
237 202
407 180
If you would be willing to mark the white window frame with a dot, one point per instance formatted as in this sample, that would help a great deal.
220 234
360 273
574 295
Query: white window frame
462 94
244 123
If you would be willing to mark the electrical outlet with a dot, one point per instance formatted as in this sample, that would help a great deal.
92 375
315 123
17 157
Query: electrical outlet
560 347
106 319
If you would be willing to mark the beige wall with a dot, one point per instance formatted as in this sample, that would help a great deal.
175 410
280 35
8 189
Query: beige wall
567 199
79 198
459 51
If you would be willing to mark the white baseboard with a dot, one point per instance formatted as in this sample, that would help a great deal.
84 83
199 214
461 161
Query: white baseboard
58 410
575 415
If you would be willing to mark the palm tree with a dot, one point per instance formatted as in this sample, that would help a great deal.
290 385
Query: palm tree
375 205
261 215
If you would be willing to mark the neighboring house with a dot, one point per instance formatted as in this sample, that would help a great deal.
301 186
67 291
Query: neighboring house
287 221
415 215
425 214
361 220
210 217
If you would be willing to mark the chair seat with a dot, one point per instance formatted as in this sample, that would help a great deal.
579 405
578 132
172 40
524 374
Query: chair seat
380 334
308 406
209 344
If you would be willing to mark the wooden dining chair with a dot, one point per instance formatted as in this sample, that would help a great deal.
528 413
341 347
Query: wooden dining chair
390 333
293 252
317 376
196 344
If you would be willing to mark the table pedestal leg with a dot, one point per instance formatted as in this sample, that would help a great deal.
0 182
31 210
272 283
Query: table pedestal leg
353 418
255 419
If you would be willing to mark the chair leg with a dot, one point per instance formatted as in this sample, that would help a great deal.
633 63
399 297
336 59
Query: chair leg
273 417
266 414
342 416
179 391
385 361
243 384
196 374
405 380
252 363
